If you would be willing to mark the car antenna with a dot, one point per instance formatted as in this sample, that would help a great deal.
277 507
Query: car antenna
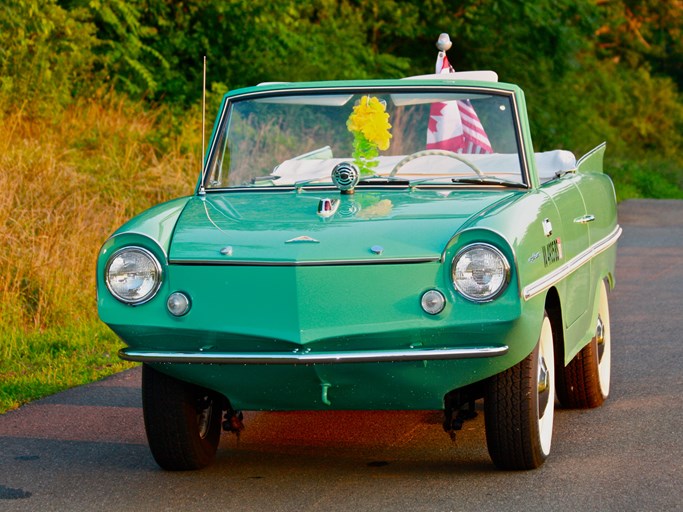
203 155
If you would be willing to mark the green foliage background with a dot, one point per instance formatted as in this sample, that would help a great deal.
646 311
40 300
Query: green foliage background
593 70
99 110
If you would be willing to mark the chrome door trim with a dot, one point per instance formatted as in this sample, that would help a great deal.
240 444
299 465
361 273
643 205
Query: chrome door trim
576 262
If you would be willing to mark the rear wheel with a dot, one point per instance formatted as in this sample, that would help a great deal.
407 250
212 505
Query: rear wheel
585 381
182 421
519 408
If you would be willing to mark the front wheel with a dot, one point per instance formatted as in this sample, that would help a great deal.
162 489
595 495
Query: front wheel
519 408
182 421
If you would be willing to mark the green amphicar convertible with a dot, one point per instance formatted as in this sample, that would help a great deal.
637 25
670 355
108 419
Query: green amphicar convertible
374 244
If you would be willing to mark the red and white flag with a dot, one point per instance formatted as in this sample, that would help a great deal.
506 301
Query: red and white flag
454 125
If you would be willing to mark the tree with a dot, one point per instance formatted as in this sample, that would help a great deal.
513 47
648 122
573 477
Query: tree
643 32
46 53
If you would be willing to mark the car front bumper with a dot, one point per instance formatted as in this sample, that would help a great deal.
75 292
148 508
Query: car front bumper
308 357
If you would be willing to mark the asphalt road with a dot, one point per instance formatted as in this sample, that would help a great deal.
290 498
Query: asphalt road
85 449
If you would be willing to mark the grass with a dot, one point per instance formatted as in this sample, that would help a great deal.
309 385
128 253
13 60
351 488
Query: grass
67 182
45 362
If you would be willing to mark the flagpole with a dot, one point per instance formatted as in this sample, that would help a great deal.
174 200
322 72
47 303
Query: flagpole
454 125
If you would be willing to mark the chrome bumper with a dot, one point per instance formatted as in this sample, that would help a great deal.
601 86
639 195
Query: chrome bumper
304 357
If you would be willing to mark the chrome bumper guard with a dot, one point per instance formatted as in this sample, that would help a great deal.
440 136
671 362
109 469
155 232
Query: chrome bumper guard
304 357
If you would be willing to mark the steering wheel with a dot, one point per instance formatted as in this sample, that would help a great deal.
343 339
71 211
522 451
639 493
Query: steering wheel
435 152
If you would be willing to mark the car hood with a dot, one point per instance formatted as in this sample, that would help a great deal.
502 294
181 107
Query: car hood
275 227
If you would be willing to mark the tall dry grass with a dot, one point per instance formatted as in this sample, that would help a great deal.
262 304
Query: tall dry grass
66 183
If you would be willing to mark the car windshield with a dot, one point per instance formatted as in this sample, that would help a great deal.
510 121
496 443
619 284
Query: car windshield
392 136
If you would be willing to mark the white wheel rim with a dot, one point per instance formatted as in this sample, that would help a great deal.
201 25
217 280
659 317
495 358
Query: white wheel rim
546 359
604 343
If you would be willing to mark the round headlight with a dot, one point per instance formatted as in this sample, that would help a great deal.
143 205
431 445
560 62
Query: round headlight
133 275
480 272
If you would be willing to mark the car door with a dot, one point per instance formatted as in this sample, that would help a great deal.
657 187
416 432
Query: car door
600 220
597 191
569 239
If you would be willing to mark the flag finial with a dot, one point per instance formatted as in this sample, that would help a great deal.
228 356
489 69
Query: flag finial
444 42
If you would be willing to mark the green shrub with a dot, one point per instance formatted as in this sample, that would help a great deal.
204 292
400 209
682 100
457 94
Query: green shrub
46 55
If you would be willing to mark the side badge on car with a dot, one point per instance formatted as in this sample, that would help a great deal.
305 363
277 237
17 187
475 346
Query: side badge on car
547 227
552 252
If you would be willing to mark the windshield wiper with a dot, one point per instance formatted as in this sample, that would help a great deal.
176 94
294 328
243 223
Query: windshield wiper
475 180
383 179
363 181
302 183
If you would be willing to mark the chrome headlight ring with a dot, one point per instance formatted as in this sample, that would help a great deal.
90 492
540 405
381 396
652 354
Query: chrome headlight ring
133 275
480 272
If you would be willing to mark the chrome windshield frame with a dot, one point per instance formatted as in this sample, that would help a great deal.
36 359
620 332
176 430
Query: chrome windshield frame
223 121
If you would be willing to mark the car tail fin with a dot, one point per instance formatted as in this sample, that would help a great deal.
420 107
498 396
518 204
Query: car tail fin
592 161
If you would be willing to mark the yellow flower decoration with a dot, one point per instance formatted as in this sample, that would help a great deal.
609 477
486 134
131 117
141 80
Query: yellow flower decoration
369 124
370 118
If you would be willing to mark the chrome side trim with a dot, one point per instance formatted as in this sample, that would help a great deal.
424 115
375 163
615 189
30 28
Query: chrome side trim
312 263
576 262
302 357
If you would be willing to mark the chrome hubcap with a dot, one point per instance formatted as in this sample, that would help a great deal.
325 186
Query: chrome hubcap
204 408
543 386
600 338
